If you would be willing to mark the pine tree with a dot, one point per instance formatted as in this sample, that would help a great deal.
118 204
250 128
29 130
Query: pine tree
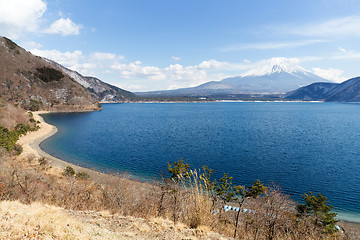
319 210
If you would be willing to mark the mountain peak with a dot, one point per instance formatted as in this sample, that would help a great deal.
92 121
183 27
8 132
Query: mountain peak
274 65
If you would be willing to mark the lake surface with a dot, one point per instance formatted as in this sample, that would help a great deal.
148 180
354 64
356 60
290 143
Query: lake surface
300 146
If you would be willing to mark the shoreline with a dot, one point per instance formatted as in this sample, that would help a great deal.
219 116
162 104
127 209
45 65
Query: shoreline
31 149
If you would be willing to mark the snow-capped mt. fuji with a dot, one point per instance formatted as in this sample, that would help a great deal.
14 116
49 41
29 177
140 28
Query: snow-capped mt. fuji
275 65
273 76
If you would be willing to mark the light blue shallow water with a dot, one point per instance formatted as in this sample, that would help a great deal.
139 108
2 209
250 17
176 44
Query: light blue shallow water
300 146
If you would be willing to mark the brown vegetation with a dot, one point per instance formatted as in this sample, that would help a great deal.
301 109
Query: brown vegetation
10 115
32 83
187 201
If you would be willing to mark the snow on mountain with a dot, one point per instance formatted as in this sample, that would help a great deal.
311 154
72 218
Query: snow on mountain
275 65
76 76
273 76
100 90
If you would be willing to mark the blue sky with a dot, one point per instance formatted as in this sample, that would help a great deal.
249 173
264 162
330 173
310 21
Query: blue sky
166 44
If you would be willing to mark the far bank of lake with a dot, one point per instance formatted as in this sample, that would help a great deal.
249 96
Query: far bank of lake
300 146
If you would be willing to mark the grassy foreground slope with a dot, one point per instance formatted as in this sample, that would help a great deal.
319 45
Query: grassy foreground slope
41 221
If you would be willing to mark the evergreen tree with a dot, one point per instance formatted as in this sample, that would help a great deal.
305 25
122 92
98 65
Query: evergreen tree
319 210
178 170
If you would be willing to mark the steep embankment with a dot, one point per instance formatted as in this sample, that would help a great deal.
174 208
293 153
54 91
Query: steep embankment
32 83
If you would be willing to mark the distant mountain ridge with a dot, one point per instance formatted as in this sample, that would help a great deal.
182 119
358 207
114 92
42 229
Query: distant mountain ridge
276 76
100 90
348 91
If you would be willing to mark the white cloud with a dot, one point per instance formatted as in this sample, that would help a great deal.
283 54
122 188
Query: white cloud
19 16
137 76
103 56
68 59
212 64
332 74
270 45
175 58
346 54
31 45
341 49
64 26
137 70
87 68
348 26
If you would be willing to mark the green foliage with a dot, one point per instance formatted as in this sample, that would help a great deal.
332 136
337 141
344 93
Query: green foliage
48 74
179 170
252 191
69 171
8 138
318 209
34 105
224 189
256 189
205 176
82 176
22 129
18 149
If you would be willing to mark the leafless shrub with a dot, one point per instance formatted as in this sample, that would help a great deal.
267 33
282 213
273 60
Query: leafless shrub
188 201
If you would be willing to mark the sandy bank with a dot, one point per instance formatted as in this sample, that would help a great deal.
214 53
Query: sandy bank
30 142
31 148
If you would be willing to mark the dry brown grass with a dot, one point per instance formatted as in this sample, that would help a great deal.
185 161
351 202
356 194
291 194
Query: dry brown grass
185 204
39 221
10 115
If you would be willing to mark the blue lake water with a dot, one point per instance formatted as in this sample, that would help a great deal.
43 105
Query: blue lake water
300 146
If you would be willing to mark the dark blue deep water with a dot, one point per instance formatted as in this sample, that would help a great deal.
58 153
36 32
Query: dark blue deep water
300 146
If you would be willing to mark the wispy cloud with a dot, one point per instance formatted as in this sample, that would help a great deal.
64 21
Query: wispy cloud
346 54
270 45
103 56
346 26
175 58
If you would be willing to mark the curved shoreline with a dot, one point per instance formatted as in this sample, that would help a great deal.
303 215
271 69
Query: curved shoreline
31 148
